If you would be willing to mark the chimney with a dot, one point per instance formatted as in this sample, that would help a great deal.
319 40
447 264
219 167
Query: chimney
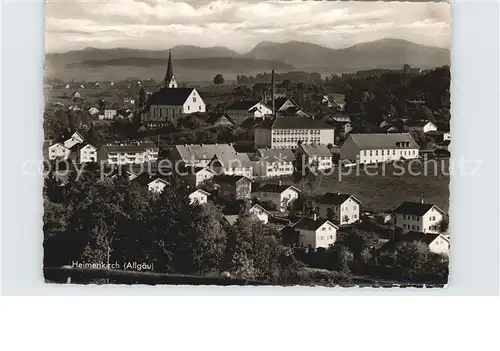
421 200
314 216
272 91
279 182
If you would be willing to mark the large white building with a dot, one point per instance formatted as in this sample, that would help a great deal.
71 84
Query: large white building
232 163
129 153
418 216
379 147
171 102
286 132
240 110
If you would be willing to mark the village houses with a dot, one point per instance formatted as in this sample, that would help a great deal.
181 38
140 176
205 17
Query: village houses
198 155
198 196
315 233
273 163
232 186
320 155
243 109
379 147
232 163
260 212
76 138
339 208
58 151
286 132
281 196
421 126
88 154
196 176
157 185
418 216
436 243
109 114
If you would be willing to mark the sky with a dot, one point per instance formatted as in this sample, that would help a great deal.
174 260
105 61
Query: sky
239 25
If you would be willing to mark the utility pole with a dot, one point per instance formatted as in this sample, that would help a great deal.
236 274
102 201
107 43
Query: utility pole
272 92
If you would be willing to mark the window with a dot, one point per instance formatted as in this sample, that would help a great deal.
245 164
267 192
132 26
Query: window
418 227
189 107
376 152
194 98
394 152
323 229
199 108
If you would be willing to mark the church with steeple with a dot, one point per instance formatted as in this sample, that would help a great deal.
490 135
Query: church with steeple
171 102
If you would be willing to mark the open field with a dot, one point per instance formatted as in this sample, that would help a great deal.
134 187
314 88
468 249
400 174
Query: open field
386 190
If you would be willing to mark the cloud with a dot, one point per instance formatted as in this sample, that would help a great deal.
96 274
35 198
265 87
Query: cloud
239 25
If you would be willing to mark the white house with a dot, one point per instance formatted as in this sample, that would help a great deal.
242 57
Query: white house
198 155
243 109
110 113
195 176
76 138
260 212
319 154
286 132
198 196
76 95
273 163
418 216
316 233
437 243
93 111
58 151
280 195
339 208
421 126
379 147
157 185
88 153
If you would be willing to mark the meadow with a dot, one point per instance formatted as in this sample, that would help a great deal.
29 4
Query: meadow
390 186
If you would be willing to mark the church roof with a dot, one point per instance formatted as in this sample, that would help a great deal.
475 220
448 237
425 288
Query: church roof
170 71
170 96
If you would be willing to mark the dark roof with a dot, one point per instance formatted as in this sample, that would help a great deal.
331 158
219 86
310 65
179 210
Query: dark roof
275 188
132 147
242 105
293 123
414 208
374 141
170 96
215 118
316 150
411 236
335 198
225 178
413 123
310 224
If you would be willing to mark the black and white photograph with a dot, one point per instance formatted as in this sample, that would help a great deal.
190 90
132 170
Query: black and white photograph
247 143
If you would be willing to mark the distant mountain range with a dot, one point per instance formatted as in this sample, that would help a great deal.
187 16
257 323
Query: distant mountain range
192 63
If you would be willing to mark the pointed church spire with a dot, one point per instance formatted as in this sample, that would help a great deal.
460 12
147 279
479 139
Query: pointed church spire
169 77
